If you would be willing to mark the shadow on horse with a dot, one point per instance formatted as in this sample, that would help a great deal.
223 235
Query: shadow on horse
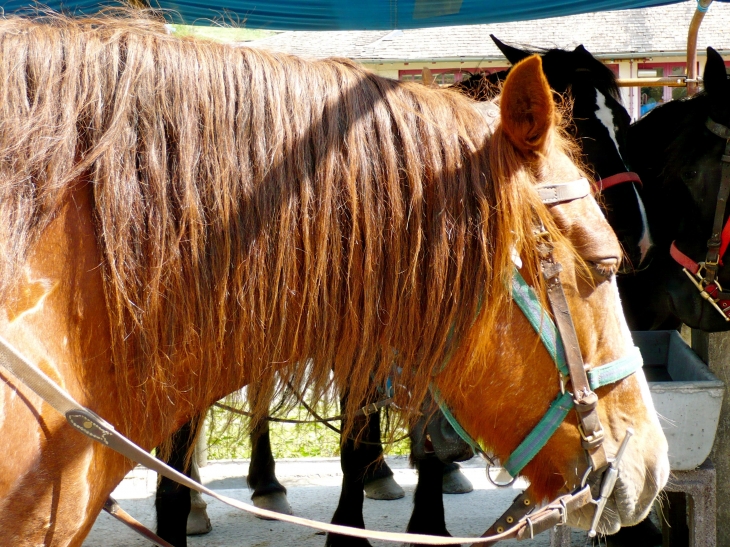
588 90
182 218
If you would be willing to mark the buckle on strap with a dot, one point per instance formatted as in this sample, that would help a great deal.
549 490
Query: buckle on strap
592 441
706 295
608 482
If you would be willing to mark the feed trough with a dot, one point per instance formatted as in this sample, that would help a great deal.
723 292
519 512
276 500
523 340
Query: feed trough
687 396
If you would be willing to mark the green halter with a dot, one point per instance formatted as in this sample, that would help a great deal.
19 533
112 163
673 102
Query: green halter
525 297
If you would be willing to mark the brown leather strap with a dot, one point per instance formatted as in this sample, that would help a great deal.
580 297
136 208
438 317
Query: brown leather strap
112 507
550 515
521 506
715 241
584 398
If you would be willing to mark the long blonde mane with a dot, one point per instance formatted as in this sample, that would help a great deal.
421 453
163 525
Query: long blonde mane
256 213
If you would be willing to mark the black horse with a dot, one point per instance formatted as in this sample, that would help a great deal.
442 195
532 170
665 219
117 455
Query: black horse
677 149
436 449
600 125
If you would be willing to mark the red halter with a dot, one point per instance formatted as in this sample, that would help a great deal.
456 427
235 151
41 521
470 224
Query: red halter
703 275
618 178
712 292
697 272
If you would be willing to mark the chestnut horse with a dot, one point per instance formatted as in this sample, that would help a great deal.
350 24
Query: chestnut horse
181 218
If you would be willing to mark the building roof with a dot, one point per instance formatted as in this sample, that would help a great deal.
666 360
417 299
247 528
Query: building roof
646 31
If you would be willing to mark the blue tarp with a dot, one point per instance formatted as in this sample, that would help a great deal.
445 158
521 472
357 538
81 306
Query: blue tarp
354 14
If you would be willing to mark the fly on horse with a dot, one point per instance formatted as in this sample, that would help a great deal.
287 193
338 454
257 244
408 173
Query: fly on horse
181 218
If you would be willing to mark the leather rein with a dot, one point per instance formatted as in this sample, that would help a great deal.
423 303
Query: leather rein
522 520
703 275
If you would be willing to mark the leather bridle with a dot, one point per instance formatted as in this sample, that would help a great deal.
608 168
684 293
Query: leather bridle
561 341
703 275
618 178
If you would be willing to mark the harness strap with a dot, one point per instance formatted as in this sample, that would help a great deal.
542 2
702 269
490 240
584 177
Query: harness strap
712 292
585 399
521 506
560 192
715 243
529 303
114 509
618 178
95 427
540 435
682 259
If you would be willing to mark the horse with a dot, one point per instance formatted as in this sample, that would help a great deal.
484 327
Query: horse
678 149
600 125
182 218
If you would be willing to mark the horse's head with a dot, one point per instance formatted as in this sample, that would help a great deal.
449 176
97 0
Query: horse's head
678 151
507 360
600 125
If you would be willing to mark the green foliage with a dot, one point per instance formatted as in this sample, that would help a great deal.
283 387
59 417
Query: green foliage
228 436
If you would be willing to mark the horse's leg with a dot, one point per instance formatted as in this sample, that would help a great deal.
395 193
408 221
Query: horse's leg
268 492
379 483
198 520
172 500
428 504
354 460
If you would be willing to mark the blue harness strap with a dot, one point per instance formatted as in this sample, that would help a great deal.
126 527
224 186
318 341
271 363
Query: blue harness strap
528 302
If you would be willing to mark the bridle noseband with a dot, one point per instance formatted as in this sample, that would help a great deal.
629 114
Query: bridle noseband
703 275
615 180
561 341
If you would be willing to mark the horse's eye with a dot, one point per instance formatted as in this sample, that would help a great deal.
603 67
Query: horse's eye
688 174
605 269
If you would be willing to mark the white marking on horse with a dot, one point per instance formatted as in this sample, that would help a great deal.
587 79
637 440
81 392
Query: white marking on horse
645 242
605 115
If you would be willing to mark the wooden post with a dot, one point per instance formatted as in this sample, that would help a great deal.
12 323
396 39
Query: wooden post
694 29
714 349
426 77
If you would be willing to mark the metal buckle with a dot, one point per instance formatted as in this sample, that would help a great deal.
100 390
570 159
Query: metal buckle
372 408
529 523
563 512
697 280
563 382
591 441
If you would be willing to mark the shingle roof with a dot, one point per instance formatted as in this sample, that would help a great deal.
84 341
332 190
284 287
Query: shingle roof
647 30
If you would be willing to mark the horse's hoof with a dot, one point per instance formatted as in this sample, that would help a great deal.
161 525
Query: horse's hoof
275 501
384 488
455 482
198 521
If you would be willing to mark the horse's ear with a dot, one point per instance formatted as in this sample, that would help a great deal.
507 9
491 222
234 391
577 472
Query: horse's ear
513 54
715 76
527 106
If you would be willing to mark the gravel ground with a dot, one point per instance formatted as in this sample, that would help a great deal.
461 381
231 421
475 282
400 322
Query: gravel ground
313 489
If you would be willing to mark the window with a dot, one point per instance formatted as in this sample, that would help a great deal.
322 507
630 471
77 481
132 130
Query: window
652 96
